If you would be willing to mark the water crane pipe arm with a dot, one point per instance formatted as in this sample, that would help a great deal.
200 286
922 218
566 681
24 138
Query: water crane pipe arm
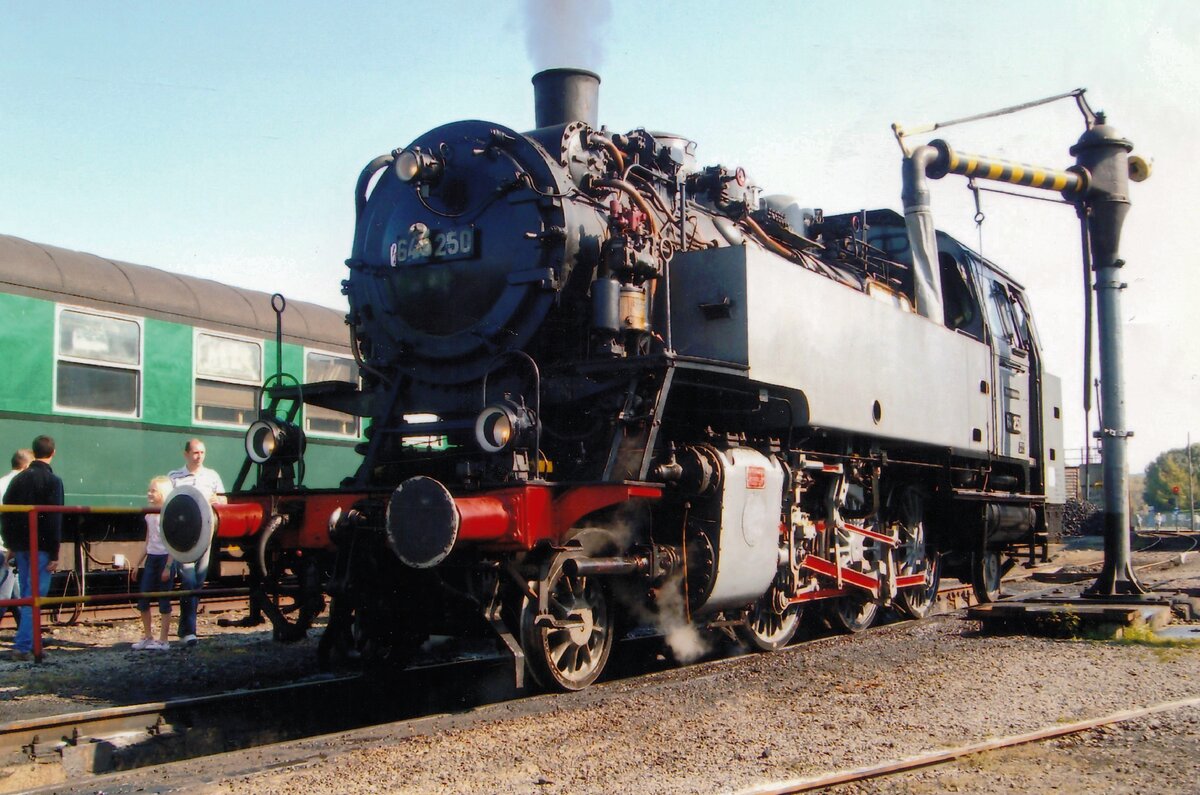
900 131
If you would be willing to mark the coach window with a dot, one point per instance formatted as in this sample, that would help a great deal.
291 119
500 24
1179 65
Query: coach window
328 367
99 363
228 377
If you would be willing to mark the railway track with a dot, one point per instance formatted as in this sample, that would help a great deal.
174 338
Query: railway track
122 607
130 737
82 738
315 752
948 754
124 610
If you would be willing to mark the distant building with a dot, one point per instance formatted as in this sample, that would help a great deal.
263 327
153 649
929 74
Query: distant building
1085 482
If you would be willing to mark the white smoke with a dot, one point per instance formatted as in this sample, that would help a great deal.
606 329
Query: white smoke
667 614
666 609
685 640
566 32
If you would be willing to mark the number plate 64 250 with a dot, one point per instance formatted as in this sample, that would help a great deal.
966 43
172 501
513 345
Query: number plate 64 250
436 245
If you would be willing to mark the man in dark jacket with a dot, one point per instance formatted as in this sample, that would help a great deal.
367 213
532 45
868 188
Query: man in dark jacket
37 485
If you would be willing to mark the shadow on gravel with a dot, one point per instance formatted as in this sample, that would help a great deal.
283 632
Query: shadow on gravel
80 673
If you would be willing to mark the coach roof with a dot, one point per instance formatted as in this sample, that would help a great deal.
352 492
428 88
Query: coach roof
74 277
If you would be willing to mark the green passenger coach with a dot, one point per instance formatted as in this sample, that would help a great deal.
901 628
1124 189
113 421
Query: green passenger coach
123 363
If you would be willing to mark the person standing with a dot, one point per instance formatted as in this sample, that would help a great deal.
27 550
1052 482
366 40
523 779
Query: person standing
8 577
192 575
156 571
20 462
37 485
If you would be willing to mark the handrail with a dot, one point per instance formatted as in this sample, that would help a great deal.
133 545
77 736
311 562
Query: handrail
37 602
74 509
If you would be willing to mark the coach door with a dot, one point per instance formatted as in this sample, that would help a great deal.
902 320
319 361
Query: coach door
1012 363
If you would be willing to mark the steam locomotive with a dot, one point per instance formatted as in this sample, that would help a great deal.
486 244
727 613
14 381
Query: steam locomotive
607 385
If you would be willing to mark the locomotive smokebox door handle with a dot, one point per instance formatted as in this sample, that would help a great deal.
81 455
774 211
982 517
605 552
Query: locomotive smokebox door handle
422 522
719 310
187 524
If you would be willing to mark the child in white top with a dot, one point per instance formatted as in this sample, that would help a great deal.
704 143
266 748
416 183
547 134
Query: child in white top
156 572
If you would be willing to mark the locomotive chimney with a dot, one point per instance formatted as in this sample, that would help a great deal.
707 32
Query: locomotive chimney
561 96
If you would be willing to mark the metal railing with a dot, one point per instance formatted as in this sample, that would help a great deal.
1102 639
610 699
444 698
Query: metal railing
36 602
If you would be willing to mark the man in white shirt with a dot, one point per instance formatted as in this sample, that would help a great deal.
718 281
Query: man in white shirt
20 461
194 473
192 575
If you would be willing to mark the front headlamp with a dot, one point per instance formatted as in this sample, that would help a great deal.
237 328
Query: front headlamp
274 440
415 165
504 425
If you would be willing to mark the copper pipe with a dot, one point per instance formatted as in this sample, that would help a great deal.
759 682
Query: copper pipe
635 197
766 239
608 146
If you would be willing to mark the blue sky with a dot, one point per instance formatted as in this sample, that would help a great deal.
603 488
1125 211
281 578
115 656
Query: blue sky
224 139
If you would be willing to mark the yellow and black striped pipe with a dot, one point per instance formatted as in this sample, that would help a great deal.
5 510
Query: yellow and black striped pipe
950 162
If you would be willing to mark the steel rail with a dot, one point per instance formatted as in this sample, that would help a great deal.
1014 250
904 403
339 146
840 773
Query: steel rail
948 754
123 611
244 718
26 736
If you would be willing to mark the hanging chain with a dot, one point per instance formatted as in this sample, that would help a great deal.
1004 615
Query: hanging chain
979 216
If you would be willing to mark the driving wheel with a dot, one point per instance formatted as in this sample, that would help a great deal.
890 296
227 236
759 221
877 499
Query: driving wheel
853 612
567 646
289 591
915 556
767 628
985 575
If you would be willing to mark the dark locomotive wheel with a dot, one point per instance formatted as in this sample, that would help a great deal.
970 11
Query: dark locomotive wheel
372 636
914 556
384 654
768 629
853 613
290 591
572 656
338 642
985 575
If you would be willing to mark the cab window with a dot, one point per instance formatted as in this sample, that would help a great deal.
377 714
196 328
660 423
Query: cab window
959 304
1010 326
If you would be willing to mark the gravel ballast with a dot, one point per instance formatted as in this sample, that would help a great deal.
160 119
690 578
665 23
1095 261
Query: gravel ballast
830 704
833 704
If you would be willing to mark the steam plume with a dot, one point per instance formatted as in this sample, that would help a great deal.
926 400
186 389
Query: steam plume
666 611
668 615
566 32
685 640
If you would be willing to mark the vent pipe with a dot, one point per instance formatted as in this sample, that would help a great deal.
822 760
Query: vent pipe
561 96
